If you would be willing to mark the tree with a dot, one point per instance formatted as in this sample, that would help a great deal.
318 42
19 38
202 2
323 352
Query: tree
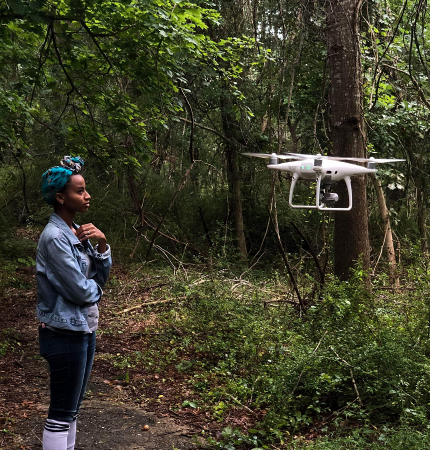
347 132
100 73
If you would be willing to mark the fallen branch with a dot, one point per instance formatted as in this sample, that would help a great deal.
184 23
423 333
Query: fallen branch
145 304
291 302
336 413
170 238
241 404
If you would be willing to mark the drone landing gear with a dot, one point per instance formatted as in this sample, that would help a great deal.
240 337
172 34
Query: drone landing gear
324 197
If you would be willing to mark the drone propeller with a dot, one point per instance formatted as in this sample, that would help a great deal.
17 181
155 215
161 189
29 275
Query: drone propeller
303 156
346 158
268 155
319 157
371 159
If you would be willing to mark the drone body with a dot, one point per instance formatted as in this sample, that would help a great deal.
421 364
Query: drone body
325 170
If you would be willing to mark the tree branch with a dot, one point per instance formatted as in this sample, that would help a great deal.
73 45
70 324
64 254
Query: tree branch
192 125
314 256
414 82
90 33
385 51
205 128
49 35
287 262
178 189
60 61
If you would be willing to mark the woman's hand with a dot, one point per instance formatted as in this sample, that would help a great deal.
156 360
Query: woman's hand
89 231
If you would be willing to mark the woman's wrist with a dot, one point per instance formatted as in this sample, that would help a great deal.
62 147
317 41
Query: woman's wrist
101 246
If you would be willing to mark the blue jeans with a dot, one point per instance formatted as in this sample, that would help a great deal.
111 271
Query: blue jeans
70 358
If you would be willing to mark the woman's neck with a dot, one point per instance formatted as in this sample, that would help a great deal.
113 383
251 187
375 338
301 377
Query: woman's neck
66 215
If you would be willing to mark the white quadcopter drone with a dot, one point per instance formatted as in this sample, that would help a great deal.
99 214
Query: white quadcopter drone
325 170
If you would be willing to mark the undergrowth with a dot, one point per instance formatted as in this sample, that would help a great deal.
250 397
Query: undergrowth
350 372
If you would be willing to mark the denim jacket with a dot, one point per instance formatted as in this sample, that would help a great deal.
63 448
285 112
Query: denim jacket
63 290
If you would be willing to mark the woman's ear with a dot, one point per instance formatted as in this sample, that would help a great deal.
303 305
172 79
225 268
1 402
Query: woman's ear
60 198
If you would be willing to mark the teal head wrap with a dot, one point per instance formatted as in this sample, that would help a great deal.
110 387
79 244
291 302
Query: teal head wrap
55 178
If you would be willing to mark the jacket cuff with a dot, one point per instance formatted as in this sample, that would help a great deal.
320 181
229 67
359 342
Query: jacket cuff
104 255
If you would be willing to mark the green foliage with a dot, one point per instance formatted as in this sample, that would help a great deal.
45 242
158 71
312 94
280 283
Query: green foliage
369 439
17 250
8 342
67 65
234 438
354 357
117 81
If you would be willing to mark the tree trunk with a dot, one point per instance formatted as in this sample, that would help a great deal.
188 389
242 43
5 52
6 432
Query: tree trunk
388 235
234 183
421 214
416 157
232 147
347 130
235 24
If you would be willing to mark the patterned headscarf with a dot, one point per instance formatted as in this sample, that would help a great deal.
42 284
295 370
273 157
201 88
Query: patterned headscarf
55 178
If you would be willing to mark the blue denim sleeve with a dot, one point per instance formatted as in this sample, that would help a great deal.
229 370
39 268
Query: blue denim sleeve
102 263
64 274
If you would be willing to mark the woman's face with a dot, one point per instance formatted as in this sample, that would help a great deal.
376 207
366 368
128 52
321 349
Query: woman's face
75 197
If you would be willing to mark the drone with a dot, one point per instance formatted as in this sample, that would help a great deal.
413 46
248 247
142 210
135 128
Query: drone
325 170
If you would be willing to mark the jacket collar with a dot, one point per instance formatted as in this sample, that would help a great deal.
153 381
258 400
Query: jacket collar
59 222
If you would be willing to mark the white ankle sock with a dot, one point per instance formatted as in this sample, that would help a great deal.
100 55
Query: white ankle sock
55 435
71 436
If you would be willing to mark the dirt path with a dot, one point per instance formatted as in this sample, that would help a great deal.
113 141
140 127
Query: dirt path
108 423
110 417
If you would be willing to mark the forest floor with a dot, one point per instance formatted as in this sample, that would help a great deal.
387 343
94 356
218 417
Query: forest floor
126 407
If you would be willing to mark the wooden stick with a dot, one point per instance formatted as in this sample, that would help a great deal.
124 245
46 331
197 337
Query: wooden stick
336 413
145 304
241 404
287 263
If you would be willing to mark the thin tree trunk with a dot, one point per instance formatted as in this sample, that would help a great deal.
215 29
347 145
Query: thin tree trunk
234 183
389 243
232 148
416 157
282 128
24 185
421 215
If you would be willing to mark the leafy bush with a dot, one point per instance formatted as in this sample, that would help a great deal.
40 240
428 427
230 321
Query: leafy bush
353 355
370 439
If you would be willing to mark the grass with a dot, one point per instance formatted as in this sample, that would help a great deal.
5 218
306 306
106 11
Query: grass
355 363
403 438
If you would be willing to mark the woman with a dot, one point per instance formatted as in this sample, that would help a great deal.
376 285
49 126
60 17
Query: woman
70 276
